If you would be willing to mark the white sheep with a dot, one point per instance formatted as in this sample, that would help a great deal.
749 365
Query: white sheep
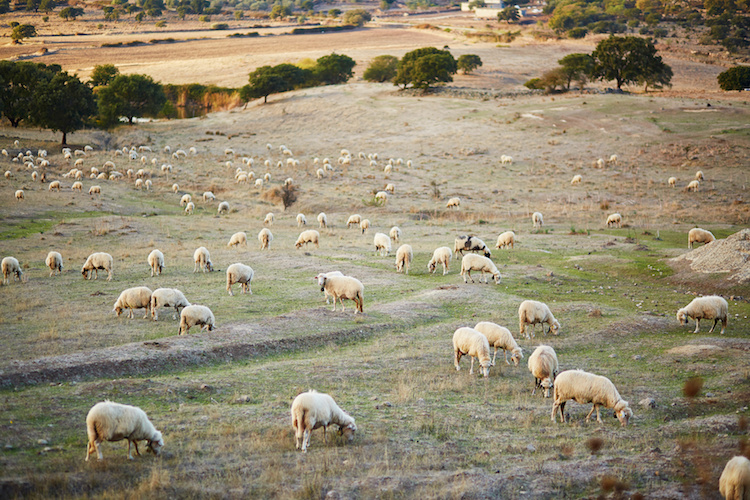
311 410
320 277
148 184
698 235
269 219
186 198
390 188
599 163
208 196
583 387
301 220
109 421
133 298
473 262
167 297
672 181
364 225
193 315
223 207
698 175
614 219
55 263
506 160
612 160
322 220
470 244
175 187
139 183
469 342
242 274
54 186
500 337
734 483
576 180
537 219
19 194
404 256
320 173
189 208
11 266
395 233
531 312
693 186
95 190
382 244
344 287
156 262
441 255
381 197
353 220
77 186
308 236
265 237
543 366
237 239
453 203
202 260
708 307
506 239
96 261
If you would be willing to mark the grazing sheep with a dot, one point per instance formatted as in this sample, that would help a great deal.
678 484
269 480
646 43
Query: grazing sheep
133 298
501 338
190 208
612 160
395 233
672 181
193 315
320 173
239 238
344 287
734 483
55 263
506 160
390 188
708 307
95 190
167 297
698 235
599 163
19 194
77 186
208 196
156 262
583 387
469 342
470 244
148 184
322 220
614 219
506 239
576 180
543 365
265 237
109 421
223 207
308 236
96 261
693 186
138 183
175 187
242 274
311 410
404 256
698 175
473 262
382 244
321 282
531 312
186 198
11 266
453 203
353 220
202 260
537 219
301 220
268 221
364 225
54 186
441 255
381 197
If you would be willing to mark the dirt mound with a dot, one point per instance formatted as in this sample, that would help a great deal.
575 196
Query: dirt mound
730 255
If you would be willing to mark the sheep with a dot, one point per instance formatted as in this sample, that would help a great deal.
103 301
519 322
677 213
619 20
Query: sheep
693 186
734 483
186 198
382 244
109 421
404 256
322 220
268 221
469 342
19 194
77 186
537 220
175 188
441 255
239 238
576 180
10 266
453 203
301 220
395 233
344 287
202 260
320 173
599 163
223 207
54 186
308 236
311 410
470 244
95 190
583 387
364 225
698 235
133 298
156 262
543 365
672 181
506 160
531 312
698 175
612 160
506 239
139 183
500 338
96 261
288 182
472 262
189 208
208 196
167 297
265 237
381 197
242 274
614 219
353 220
55 263
708 307
320 277
390 188
193 315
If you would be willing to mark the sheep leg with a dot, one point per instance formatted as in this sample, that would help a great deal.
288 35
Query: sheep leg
342 303
325 434
445 269
724 325
493 357
334 302
471 369
145 315
506 357
697 325
536 384
130 455
137 453
195 267
457 359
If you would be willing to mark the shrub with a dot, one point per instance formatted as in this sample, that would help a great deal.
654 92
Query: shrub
219 26
577 33
736 78
204 19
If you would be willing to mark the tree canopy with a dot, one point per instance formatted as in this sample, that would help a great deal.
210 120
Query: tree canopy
468 63
23 31
628 59
424 67
576 67
509 14
130 96
70 13
103 74
736 78
381 69
21 82
357 17
63 104
334 69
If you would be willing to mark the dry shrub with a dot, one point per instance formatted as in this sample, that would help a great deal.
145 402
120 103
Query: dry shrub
596 313
692 387
604 205
594 444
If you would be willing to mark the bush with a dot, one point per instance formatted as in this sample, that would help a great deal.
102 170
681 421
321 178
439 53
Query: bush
220 26
204 19
577 33
160 24
534 84
660 32
357 17
736 78
381 69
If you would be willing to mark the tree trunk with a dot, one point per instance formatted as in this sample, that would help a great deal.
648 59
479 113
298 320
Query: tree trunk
64 139
265 99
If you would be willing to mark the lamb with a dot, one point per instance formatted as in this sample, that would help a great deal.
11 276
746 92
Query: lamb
96 261
55 263
395 233
453 203
501 338
301 220
167 297
614 219
242 274
54 186
202 260
470 244
186 198
353 220
382 244
672 181
265 237
698 235
469 342
576 180
344 287
156 262
364 225
109 421
95 190
472 262
239 238
698 175
537 219
693 186
321 282
269 219
133 298
193 315
19 194
708 307
583 387
734 483
441 255
190 208
506 239
208 196
11 266
531 312
322 220
404 256
311 410
543 365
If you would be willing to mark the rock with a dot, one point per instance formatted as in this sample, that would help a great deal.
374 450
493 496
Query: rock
205 387
43 442
613 355
709 394
8 446
637 357
243 399
647 403
530 448
333 495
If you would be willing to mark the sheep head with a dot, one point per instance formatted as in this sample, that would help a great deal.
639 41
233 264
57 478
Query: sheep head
554 329
431 266
623 412
547 384
117 310
154 445
517 356
682 317
348 431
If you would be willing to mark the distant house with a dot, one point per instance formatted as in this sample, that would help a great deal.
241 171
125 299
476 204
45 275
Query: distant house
491 5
